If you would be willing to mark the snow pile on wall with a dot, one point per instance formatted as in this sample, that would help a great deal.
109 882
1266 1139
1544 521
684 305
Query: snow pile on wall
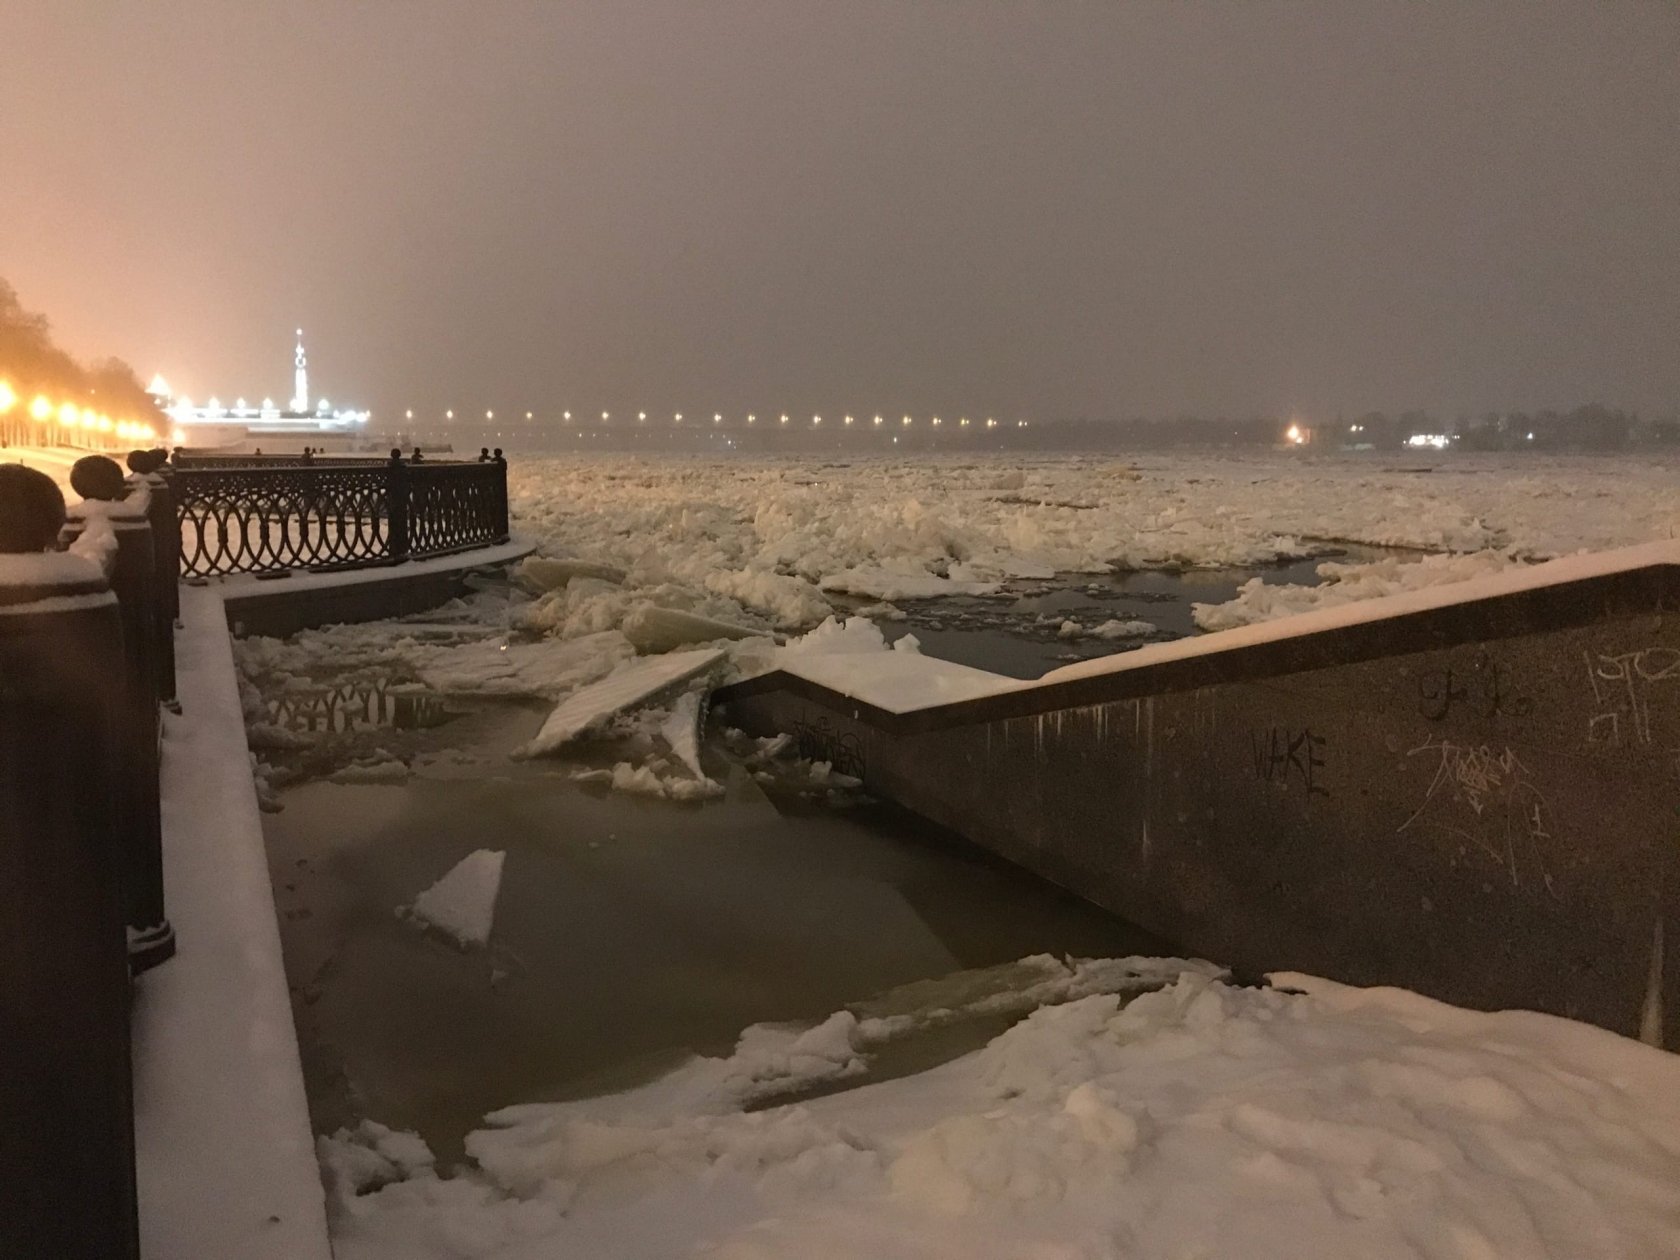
1198 1120
463 903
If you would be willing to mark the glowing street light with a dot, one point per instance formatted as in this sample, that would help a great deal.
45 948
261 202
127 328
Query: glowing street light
717 417
816 419
906 421
8 399
528 416
489 415
449 415
409 414
678 418
963 422
877 420
848 419
936 422
784 419
68 416
566 416
752 419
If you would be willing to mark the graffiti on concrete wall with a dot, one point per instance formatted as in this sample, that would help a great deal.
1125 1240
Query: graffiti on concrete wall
1487 797
1485 690
819 741
1624 686
1285 754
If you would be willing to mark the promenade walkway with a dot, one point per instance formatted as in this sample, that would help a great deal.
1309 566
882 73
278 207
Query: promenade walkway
226 1162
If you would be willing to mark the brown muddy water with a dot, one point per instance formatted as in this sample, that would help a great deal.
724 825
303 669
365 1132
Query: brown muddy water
631 933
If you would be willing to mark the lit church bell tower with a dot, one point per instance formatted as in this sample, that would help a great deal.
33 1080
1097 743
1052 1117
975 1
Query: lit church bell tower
300 395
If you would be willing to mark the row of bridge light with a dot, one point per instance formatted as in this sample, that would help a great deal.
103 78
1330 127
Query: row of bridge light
752 418
67 415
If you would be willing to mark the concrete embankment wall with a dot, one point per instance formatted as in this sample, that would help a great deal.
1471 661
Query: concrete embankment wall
1479 801
285 604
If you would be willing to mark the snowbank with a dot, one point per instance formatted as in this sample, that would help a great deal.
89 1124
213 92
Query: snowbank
1197 1120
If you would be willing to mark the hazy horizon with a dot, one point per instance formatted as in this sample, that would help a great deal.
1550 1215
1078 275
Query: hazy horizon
1030 209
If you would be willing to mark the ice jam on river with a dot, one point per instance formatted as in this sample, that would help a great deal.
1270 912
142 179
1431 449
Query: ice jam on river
1130 1107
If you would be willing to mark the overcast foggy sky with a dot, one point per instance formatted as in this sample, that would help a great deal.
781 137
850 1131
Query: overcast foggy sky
1016 209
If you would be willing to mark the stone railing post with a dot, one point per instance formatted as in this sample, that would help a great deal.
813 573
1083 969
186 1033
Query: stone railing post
166 567
151 938
66 1095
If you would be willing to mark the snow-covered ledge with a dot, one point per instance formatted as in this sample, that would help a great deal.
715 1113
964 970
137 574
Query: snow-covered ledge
904 683
226 1162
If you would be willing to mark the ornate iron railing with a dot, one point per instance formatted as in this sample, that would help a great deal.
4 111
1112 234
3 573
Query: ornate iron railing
455 506
267 519
351 707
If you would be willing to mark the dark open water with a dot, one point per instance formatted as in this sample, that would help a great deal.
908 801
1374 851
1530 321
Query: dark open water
631 933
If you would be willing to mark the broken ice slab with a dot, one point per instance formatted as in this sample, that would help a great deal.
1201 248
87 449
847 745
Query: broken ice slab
547 573
654 629
681 731
546 667
463 903
628 687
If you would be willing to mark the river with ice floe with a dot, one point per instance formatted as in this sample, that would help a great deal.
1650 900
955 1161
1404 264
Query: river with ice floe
653 940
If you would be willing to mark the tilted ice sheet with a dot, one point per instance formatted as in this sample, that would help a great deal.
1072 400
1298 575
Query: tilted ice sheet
631 685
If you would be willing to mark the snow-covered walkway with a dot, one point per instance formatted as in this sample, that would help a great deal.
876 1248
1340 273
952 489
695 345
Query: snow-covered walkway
55 461
225 1161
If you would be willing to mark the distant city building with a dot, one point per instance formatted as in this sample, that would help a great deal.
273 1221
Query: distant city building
214 424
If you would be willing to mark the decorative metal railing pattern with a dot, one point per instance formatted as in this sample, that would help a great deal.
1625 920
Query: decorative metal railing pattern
357 706
455 506
267 519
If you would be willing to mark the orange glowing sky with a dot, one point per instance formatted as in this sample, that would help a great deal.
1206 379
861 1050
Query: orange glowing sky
1041 208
